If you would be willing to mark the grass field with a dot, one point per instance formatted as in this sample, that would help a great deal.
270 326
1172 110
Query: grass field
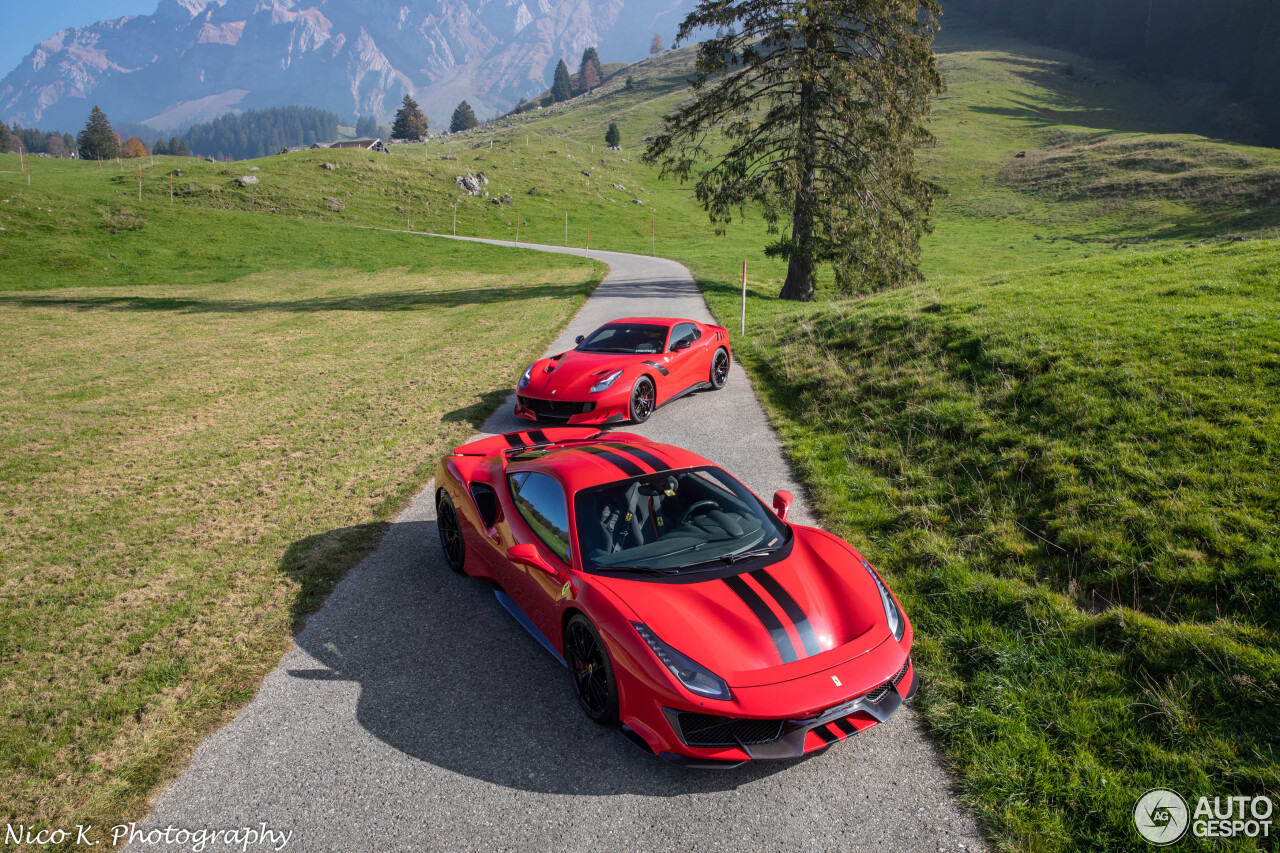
1062 447
196 447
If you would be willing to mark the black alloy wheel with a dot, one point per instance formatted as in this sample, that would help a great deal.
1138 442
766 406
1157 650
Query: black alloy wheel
719 369
451 540
591 671
643 398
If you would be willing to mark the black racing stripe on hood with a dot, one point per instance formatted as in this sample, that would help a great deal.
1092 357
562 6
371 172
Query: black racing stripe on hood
539 437
643 455
513 439
766 616
624 464
793 610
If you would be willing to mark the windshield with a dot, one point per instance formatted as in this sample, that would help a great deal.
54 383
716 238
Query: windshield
673 521
626 338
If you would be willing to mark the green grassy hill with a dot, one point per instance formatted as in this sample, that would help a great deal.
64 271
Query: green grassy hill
1062 446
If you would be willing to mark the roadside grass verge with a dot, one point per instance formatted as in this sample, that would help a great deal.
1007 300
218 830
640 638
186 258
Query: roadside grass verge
1072 477
187 469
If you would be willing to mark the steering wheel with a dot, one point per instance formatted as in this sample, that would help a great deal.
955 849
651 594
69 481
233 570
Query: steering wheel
688 513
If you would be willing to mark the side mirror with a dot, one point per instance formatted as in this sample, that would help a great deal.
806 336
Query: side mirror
679 345
782 503
579 339
527 555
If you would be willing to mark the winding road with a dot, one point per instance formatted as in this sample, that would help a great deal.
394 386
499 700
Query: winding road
415 714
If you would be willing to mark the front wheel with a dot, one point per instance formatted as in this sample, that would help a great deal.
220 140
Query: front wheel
592 673
451 540
719 369
643 400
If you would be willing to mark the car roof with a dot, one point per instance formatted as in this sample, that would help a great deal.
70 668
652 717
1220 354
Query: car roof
583 464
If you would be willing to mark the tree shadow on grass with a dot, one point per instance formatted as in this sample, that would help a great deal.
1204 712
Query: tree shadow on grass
404 300
446 676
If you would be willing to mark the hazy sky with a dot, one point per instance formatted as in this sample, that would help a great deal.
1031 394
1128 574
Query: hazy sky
23 24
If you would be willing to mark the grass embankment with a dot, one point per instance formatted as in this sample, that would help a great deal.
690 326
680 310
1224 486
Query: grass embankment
195 448
1073 478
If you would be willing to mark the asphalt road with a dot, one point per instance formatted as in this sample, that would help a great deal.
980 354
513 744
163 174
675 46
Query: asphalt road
415 714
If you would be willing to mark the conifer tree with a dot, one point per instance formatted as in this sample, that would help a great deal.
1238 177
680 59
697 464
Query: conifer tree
561 87
589 71
820 105
655 46
410 122
612 136
464 118
4 138
97 141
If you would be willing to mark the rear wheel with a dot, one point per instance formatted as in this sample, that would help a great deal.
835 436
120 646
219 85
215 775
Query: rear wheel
719 369
643 400
451 540
591 671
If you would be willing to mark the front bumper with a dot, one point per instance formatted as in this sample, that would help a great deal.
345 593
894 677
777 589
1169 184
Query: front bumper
750 739
572 412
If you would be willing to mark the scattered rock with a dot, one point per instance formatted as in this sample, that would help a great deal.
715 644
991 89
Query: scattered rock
619 188
254 169
111 256
602 163
585 172
533 190
246 180
495 201
469 184
482 178
335 204
328 167
506 199
637 201
614 148
1020 155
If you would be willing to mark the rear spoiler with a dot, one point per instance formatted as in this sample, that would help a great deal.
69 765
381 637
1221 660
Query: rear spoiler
526 439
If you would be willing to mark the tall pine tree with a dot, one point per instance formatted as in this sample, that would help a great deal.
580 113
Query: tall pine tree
561 87
4 138
820 104
589 72
464 118
612 136
97 141
410 122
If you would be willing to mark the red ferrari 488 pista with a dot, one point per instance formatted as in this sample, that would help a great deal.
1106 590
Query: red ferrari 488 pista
624 370
685 609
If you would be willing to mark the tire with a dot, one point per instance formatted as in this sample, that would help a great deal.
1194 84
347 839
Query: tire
452 542
644 399
590 671
719 369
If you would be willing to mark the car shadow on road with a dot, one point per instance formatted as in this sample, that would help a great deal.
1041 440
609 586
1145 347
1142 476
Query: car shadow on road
446 676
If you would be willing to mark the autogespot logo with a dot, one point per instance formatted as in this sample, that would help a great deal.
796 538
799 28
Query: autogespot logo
1161 816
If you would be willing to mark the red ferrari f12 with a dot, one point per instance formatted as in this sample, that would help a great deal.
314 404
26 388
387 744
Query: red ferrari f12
685 609
624 370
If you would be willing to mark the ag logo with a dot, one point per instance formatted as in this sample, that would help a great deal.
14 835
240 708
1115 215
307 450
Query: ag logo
1161 816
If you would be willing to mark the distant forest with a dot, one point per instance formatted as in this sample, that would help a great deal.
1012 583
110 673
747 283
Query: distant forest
258 133
1233 43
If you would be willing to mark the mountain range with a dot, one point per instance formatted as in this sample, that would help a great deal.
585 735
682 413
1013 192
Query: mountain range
193 60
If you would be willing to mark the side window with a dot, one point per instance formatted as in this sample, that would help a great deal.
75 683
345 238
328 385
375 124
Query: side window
684 332
542 505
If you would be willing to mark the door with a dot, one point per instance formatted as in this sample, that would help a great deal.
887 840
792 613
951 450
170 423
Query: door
544 521
685 362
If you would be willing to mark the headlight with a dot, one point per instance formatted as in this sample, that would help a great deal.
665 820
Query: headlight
603 384
528 374
897 624
693 675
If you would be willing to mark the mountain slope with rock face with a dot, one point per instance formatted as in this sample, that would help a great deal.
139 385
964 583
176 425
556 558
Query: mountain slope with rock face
194 60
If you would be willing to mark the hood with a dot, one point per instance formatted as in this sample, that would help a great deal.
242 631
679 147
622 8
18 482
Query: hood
573 373
826 606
